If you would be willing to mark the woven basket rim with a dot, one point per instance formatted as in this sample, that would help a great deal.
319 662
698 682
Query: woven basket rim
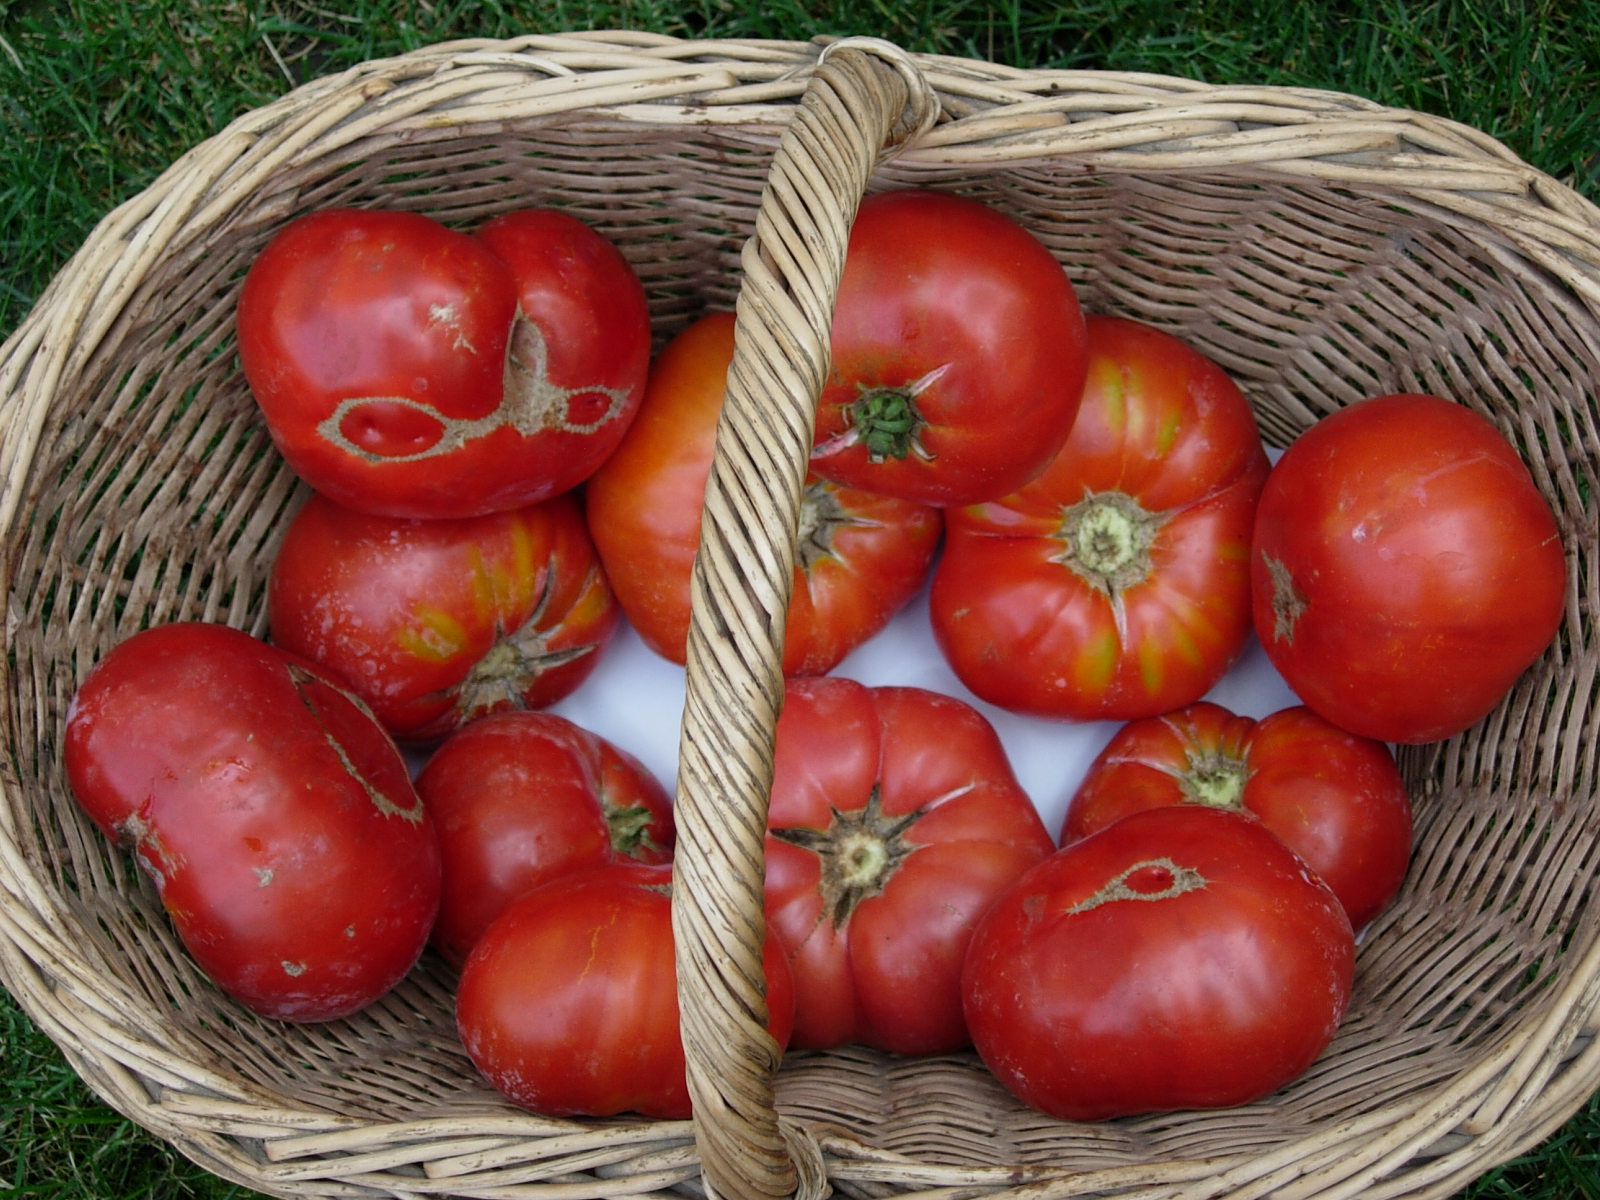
992 115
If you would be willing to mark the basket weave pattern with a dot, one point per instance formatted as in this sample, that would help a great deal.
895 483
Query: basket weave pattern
1321 248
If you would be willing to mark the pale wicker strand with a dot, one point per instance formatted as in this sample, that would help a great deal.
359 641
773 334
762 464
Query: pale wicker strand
741 585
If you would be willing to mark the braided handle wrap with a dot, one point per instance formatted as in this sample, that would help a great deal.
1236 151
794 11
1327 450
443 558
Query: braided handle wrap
864 98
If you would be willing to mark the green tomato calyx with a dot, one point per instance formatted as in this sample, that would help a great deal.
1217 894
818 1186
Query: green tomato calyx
1216 780
887 420
629 827
1106 539
822 517
860 851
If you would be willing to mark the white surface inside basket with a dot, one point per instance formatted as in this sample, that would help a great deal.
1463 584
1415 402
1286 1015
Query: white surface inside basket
635 698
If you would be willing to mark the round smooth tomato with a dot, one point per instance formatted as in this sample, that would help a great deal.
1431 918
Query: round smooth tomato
276 818
1116 585
860 556
1182 957
410 369
568 1004
519 798
895 820
437 622
1406 570
1335 798
957 353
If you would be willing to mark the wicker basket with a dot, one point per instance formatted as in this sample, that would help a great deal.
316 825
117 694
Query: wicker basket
1320 247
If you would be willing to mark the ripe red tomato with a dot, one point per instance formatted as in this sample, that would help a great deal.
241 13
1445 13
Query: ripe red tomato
437 622
1182 957
568 1004
406 368
275 817
519 798
1335 798
1116 585
957 353
1406 569
895 820
861 556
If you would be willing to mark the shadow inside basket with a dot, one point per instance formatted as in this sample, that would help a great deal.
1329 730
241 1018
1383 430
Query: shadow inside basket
155 494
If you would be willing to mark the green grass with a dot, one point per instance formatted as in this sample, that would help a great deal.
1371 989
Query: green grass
57 1140
97 97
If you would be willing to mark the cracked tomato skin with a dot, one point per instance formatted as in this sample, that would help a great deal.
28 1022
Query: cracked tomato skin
407 368
1406 569
276 818
1182 957
568 1004
957 353
437 622
895 820
1116 585
519 798
1337 799
860 558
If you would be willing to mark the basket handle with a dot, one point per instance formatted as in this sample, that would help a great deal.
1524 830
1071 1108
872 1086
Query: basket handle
864 98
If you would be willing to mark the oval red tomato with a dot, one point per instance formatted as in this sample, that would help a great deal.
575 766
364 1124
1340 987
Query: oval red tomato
568 1004
275 817
437 622
407 368
895 820
957 353
1182 957
860 558
519 798
1335 798
1116 585
1406 569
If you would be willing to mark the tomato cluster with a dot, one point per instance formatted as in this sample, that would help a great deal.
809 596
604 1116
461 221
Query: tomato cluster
500 478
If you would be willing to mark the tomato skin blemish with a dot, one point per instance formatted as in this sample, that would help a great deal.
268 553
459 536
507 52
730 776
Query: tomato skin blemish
1152 879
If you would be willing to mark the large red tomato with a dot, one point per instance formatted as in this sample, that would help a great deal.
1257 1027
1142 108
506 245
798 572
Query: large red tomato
1116 585
437 622
276 818
568 1004
895 820
1182 957
861 556
519 798
1406 569
406 368
1337 799
957 351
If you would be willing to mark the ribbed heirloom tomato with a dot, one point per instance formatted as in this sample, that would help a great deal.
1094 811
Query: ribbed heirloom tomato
437 622
275 816
861 556
895 820
1406 569
1335 798
519 798
956 353
1116 585
1182 957
408 368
